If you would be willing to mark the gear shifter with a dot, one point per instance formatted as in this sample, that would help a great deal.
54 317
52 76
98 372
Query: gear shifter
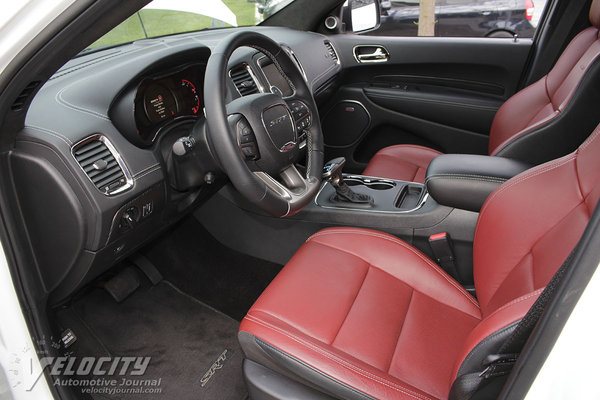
332 171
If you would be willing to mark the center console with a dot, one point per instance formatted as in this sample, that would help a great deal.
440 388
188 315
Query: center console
446 205
388 196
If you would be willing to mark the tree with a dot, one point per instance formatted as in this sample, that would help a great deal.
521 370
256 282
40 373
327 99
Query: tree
427 18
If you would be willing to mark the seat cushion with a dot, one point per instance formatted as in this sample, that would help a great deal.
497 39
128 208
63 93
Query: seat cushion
403 162
368 309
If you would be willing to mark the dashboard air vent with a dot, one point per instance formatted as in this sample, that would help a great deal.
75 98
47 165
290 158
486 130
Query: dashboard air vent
243 80
24 96
332 52
101 163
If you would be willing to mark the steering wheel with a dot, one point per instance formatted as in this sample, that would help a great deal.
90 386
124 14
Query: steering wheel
259 138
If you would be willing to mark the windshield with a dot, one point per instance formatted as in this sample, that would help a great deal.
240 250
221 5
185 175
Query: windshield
167 17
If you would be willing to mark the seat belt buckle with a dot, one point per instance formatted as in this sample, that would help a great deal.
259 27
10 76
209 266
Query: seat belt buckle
441 247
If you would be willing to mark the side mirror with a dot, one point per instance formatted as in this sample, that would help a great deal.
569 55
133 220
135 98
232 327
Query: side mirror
364 15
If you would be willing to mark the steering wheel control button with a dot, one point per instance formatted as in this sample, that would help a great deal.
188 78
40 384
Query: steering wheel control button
250 151
280 127
302 118
247 140
299 109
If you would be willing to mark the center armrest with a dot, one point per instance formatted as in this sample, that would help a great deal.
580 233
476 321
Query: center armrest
464 181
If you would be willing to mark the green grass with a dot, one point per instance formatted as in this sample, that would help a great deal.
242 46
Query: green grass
163 22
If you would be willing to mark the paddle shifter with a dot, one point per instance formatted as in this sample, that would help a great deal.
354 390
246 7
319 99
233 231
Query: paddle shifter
332 171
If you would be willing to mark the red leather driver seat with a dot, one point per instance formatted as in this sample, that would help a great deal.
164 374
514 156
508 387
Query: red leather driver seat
529 126
358 313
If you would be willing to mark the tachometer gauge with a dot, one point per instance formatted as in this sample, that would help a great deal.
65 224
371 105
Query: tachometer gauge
159 103
192 100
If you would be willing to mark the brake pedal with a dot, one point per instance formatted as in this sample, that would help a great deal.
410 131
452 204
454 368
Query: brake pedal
147 268
123 284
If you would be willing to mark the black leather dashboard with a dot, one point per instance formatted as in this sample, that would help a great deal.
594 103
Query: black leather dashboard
120 101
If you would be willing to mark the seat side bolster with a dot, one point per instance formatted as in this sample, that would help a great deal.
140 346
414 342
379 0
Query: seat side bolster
319 362
491 332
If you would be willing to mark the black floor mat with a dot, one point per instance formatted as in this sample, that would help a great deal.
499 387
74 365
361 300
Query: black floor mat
183 336
197 263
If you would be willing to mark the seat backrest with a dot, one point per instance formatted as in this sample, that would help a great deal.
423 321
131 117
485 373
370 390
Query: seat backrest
551 117
526 229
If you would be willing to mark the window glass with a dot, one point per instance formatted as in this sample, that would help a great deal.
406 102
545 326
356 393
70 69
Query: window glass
460 18
167 17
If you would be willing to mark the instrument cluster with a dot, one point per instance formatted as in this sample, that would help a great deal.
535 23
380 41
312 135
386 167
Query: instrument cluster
160 100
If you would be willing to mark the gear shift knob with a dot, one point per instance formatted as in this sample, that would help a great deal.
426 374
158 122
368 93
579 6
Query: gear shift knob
332 171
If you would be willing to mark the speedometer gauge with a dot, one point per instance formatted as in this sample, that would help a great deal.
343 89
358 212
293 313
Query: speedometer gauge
192 100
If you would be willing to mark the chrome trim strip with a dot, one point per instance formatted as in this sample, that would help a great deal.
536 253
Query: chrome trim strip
259 86
128 177
274 185
418 206
295 60
337 54
370 61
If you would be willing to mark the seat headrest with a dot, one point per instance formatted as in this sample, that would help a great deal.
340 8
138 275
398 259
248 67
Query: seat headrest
595 13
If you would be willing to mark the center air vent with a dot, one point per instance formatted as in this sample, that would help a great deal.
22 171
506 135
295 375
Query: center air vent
102 164
332 52
243 80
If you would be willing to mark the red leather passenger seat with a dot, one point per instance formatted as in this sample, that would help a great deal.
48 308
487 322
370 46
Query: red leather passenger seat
526 126
358 313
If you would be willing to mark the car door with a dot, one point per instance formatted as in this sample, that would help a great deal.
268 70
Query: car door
441 92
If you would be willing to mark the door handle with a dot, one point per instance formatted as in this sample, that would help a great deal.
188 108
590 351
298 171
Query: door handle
377 54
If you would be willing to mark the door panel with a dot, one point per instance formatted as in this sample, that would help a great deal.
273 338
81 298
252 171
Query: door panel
438 92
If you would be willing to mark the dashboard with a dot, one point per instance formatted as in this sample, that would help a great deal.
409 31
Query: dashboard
97 146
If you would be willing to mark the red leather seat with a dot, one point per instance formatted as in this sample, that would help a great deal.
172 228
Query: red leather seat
526 123
358 312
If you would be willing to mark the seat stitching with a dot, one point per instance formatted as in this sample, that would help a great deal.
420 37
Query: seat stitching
412 294
416 173
533 173
399 161
413 146
465 176
530 252
338 360
406 246
353 302
318 371
515 301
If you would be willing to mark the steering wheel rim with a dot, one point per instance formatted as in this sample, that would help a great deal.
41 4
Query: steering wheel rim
272 182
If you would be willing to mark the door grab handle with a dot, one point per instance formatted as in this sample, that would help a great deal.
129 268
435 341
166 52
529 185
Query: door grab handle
378 55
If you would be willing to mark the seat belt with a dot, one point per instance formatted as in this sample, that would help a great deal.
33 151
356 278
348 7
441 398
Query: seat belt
500 364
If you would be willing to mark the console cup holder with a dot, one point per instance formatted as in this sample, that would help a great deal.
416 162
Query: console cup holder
371 183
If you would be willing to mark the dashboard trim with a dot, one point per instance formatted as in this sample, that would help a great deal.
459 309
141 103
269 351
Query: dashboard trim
118 158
